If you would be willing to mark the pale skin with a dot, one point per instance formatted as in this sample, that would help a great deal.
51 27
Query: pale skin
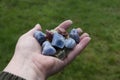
29 63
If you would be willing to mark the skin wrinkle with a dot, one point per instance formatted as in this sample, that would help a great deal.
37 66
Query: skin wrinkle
55 69
50 61
39 69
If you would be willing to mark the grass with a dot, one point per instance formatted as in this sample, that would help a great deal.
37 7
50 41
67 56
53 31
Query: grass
100 18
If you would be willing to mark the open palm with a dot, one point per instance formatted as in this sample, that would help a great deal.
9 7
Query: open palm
29 63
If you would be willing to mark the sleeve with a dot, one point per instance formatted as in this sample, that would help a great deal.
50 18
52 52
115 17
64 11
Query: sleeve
9 76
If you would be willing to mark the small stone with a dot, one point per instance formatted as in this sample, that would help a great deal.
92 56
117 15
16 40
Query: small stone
58 40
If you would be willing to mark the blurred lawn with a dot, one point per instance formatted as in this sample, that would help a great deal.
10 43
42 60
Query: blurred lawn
100 18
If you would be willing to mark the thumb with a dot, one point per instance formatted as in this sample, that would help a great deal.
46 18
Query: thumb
37 27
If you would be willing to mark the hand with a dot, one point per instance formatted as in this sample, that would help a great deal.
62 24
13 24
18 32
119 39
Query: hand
29 63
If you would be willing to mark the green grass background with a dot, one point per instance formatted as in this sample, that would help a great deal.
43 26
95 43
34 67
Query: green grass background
100 18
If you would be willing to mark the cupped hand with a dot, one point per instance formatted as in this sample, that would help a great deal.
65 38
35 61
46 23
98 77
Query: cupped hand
29 63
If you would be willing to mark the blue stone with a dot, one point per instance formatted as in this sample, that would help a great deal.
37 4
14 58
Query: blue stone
75 35
48 50
40 36
70 43
46 43
58 40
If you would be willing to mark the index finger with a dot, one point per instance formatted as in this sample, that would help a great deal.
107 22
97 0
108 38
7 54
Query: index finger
64 25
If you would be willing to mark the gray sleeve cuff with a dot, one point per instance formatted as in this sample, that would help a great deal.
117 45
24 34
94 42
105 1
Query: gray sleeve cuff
9 76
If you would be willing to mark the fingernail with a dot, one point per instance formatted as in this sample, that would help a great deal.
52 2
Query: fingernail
70 21
79 30
37 26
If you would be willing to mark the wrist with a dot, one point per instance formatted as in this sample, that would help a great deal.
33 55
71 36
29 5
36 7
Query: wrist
24 68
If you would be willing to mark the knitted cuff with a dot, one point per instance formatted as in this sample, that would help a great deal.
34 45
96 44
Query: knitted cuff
8 76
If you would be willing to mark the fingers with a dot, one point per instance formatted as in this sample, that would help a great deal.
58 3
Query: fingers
79 30
64 25
79 47
84 35
37 27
